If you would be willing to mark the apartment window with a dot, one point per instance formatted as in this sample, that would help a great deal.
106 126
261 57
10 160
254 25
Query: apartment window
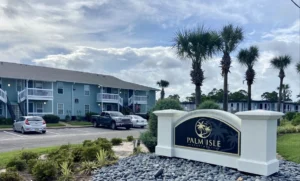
86 90
38 85
60 88
60 109
86 108
39 107
19 85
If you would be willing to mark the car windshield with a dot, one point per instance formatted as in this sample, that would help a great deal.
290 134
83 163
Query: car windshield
35 119
115 114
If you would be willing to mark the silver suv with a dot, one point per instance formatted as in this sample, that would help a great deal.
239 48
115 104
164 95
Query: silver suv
30 124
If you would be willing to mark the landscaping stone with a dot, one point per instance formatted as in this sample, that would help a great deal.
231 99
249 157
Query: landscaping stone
145 166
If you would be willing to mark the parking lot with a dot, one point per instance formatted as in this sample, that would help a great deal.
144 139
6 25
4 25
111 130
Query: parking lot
10 140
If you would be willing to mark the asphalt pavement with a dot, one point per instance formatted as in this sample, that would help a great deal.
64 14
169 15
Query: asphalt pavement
10 140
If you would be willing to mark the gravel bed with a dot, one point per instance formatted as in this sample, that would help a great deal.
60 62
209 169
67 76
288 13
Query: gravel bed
145 166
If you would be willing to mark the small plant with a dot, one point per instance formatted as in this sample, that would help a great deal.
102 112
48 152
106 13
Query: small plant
45 170
149 140
116 141
66 172
18 163
28 155
101 157
10 176
137 150
77 154
87 143
296 120
90 153
30 164
104 144
130 138
87 167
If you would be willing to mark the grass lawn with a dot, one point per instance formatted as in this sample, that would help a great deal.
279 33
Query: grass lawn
80 123
5 157
288 146
55 125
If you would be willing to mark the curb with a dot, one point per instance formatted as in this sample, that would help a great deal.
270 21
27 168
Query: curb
61 127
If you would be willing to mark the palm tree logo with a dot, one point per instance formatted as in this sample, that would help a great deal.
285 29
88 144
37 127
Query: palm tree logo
203 128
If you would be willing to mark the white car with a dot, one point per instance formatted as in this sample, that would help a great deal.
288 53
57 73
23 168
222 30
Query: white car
138 121
30 124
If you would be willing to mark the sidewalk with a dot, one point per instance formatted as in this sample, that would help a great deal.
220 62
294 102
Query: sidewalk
56 127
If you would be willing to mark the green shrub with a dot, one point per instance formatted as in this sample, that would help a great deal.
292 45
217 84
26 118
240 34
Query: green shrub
296 120
149 141
87 143
88 116
284 122
161 105
18 163
130 138
4 121
116 141
66 172
87 167
67 118
104 144
50 118
45 170
90 153
290 115
63 154
77 154
10 176
28 155
11 169
208 105
31 164
65 147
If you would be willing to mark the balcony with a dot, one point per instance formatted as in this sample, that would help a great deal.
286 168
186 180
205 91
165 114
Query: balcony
109 98
3 97
35 94
137 100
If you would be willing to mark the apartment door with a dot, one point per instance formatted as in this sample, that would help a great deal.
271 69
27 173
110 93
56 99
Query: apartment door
30 108
108 107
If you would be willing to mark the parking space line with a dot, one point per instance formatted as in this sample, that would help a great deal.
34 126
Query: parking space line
12 134
52 132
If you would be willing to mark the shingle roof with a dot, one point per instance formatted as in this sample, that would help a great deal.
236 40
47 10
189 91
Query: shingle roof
32 72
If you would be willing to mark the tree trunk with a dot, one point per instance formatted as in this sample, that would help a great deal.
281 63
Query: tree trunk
225 96
283 100
249 97
280 95
162 93
198 95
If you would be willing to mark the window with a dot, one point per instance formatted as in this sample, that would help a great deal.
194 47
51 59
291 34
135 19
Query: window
86 108
38 85
86 90
39 107
19 85
1 109
60 109
60 88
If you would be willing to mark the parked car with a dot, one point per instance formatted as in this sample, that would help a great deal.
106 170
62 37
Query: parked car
30 124
112 119
138 121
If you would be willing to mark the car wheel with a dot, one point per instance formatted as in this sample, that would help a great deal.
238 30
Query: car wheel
95 124
128 127
113 126
22 131
43 132
142 126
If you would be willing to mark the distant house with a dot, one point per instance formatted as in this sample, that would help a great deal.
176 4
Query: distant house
243 106
36 90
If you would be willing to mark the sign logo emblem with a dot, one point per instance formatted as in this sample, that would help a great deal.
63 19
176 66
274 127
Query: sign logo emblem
203 128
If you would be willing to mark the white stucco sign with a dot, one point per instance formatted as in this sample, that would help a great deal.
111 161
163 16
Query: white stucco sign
245 141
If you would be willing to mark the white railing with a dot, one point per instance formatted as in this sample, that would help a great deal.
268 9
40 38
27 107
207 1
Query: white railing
3 96
137 100
36 94
109 98
38 113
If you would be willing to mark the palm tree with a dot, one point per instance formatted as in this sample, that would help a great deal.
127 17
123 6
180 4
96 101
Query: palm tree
163 84
197 45
231 37
248 57
280 63
298 68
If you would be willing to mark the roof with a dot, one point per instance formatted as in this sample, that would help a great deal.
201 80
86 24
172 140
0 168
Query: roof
33 72
253 101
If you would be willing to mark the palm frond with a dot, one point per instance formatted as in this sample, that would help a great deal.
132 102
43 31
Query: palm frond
281 62
163 83
298 67
248 57
231 37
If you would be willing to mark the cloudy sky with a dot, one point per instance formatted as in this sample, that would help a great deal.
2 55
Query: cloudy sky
132 39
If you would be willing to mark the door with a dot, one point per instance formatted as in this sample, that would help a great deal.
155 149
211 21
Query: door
30 108
108 107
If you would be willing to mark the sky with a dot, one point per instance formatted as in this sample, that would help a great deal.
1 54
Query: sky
133 39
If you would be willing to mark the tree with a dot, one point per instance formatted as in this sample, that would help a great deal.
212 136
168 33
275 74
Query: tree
270 96
175 96
280 63
197 45
298 68
248 57
240 95
231 37
191 98
162 84
208 105
286 92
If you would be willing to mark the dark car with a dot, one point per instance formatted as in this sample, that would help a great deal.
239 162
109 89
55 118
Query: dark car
112 119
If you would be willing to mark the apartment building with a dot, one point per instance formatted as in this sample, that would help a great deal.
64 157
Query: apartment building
36 90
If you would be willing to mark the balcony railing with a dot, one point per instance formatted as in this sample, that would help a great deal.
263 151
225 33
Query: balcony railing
38 113
3 97
137 100
35 94
109 98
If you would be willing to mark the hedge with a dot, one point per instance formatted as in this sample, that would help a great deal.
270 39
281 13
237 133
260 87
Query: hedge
50 118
